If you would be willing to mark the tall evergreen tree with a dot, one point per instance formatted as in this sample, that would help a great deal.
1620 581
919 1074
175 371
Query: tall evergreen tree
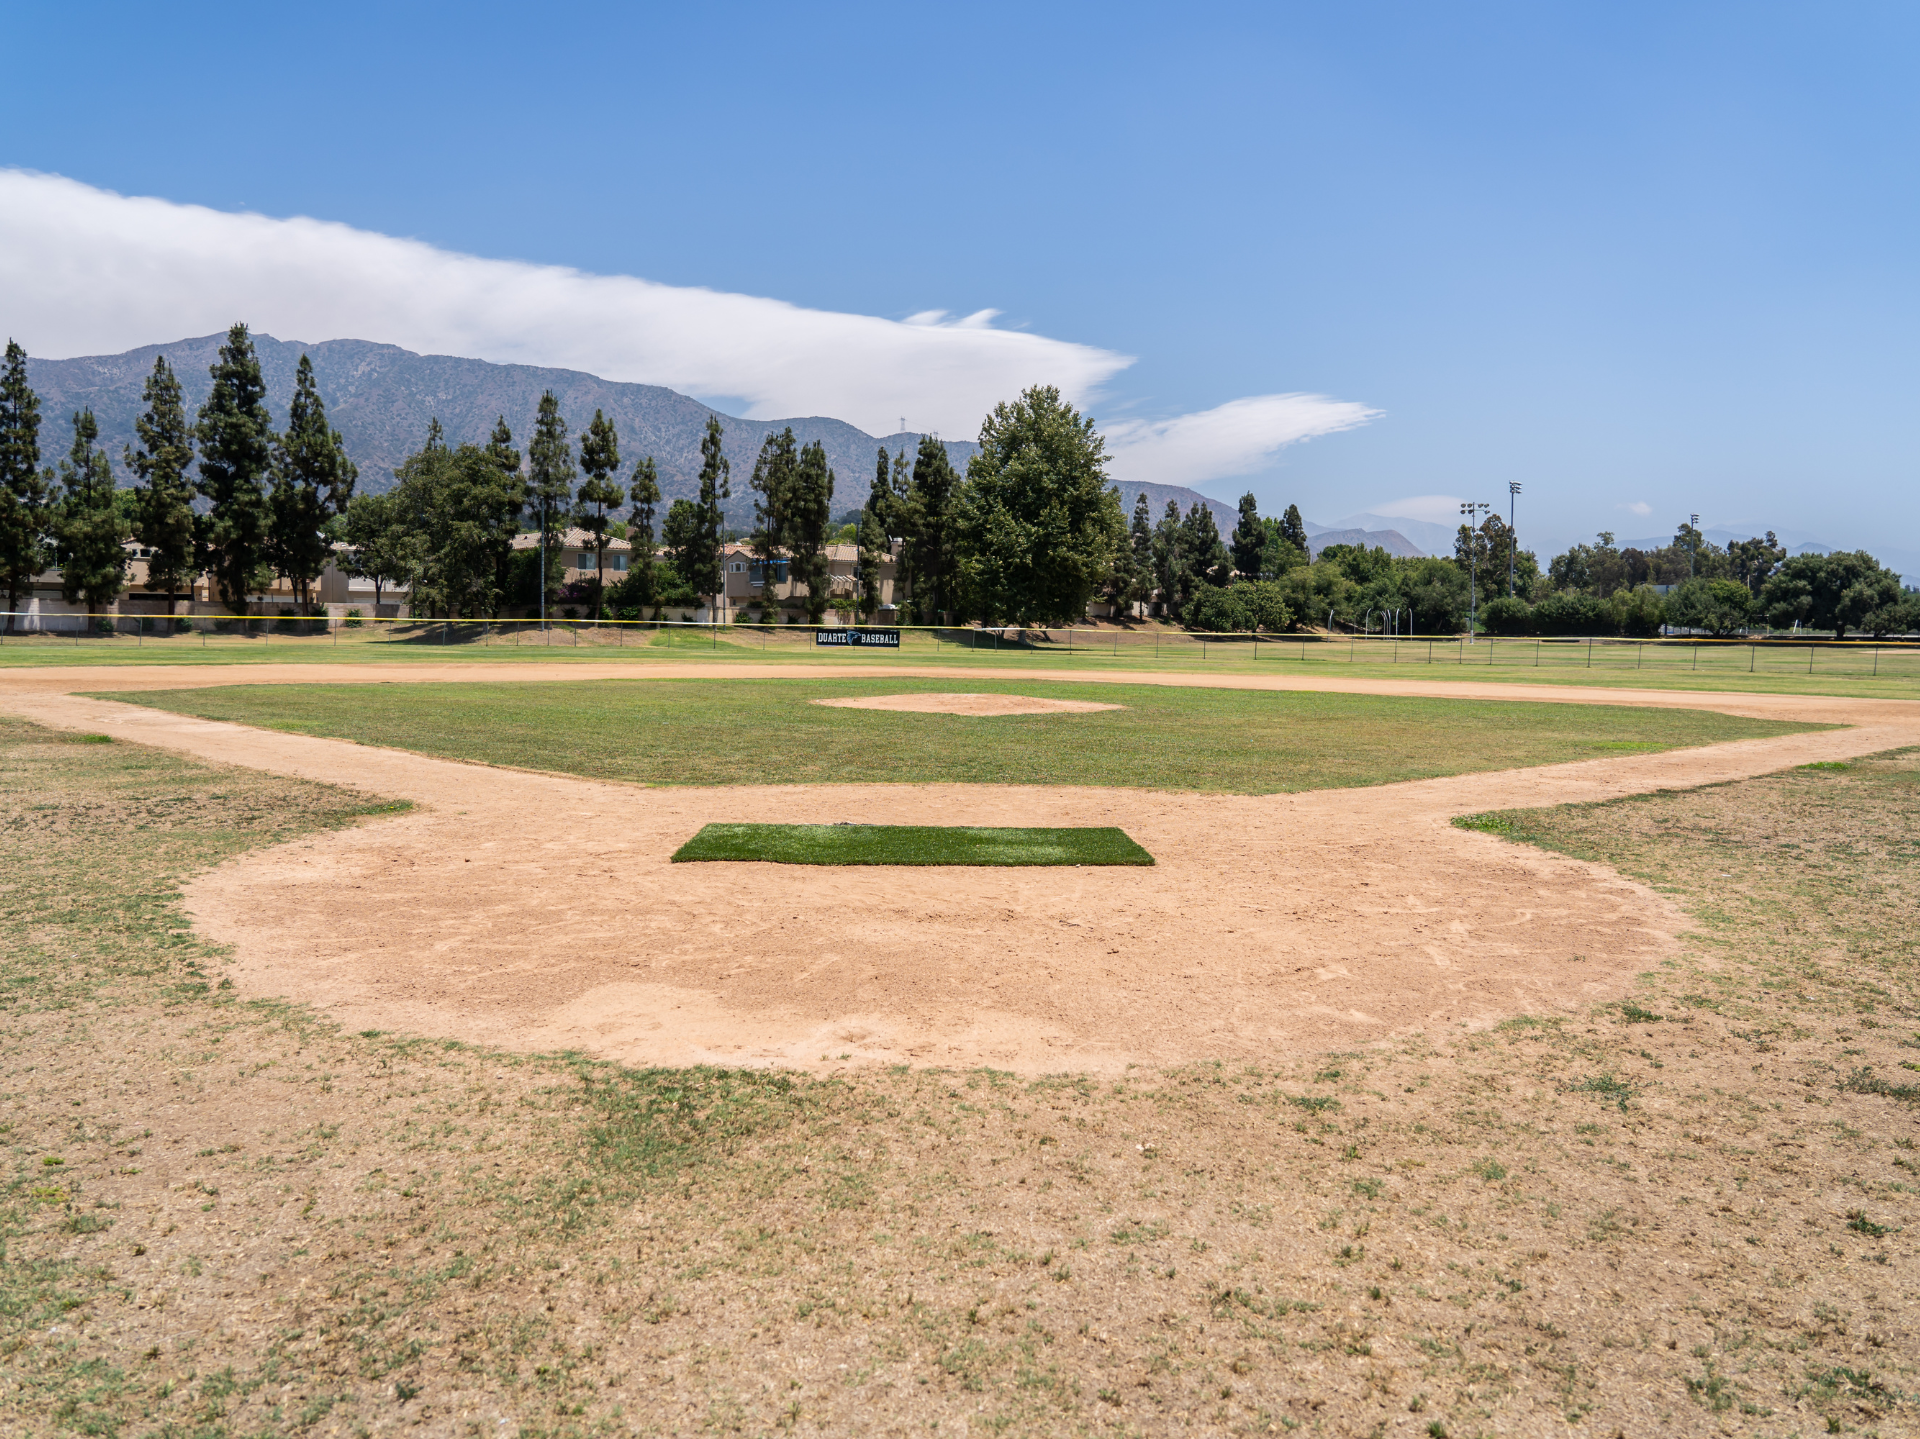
926 524
1037 523
460 512
684 536
1293 530
236 459
644 494
1168 562
550 487
704 576
92 529
809 516
875 546
599 458
1205 558
25 489
1249 538
1140 553
163 509
506 459
772 483
312 483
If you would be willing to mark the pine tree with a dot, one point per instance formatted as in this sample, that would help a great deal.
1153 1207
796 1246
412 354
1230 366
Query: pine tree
236 460
550 483
506 459
25 490
1293 530
1249 538
1205 559
599 458
1140 546
163 511
643 583
873 537
773 487
92 528
926 523
1168 565
703 575
312 483
808 520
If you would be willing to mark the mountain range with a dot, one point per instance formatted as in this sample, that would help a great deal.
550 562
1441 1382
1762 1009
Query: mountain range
381 399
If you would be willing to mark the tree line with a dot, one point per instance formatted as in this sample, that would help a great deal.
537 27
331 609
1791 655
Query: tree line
266 496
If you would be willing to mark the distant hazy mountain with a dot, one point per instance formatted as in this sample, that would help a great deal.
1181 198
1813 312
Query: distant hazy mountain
1225 516
380 398
1392 541
1431 538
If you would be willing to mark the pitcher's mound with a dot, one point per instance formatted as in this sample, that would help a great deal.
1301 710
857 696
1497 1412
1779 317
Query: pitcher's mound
969 704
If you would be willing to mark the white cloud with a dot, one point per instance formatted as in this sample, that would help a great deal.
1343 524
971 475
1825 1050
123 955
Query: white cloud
87 271
1232 439
1431 509
1636 507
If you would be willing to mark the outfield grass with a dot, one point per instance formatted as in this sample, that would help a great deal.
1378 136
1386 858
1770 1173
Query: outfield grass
1686 1214
1857 668
915 844
703 732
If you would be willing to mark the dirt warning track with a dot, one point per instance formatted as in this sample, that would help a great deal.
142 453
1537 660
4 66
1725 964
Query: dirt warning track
540 912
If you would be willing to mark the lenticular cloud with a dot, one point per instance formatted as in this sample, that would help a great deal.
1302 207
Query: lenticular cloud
86 271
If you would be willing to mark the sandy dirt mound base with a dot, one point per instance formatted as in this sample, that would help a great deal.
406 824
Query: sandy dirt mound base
968 704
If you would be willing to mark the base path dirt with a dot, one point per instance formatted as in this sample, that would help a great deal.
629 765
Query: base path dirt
540 912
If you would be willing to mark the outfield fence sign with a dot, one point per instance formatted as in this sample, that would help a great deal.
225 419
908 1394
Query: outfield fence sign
869 639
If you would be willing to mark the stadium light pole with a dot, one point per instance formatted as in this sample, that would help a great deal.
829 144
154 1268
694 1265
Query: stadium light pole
1693 542
1472 509
1513 545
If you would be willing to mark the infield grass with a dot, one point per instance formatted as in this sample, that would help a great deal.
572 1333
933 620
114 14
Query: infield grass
708 732
913 844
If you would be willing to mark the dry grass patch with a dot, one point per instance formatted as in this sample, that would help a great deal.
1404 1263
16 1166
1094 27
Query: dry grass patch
1691 1214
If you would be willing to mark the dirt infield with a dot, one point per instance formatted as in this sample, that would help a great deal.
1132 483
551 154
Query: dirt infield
540 912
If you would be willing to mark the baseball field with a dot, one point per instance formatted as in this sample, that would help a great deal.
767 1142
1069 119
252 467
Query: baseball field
1112 1046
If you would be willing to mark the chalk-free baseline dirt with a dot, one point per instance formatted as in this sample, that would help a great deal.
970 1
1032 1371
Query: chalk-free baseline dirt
540 912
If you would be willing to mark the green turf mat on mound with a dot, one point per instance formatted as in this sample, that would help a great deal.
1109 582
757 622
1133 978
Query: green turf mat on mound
910 844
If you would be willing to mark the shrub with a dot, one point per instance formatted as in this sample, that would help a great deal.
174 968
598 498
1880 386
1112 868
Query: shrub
1639 613
1573 613
353 619
1506 616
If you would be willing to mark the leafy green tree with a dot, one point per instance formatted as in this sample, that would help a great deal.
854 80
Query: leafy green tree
1293 530
380 545
91 527
1720 607
1279 554
1834 592
1249 539
312 483
164 520
700 568
1037 523
926 515
807 521
642 584
235 435
599 459
773 485
1753 561
550 489
461 511
1506 615
1900 617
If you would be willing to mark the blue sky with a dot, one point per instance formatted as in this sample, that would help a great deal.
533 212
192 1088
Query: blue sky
1631 255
